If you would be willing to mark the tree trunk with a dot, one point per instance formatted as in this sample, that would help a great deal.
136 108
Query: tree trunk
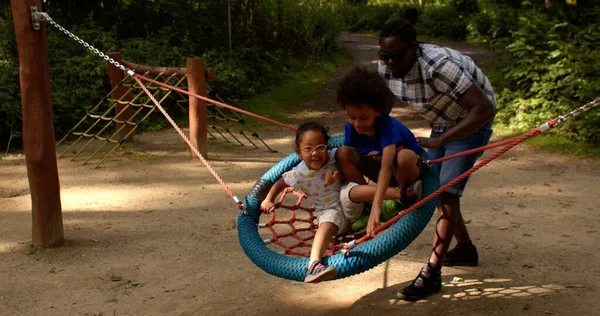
245 16
38 129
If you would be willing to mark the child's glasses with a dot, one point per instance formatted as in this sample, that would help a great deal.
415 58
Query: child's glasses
310 149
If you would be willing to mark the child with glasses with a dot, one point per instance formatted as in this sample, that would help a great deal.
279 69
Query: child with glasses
377 145
336 203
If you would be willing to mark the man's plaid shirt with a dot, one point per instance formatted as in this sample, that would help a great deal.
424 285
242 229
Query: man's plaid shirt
438 78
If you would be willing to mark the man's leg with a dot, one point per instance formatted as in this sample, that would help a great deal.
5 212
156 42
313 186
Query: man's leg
465 253
450 221
461 234
446 226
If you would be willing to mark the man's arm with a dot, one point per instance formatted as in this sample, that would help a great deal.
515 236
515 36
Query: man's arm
479 110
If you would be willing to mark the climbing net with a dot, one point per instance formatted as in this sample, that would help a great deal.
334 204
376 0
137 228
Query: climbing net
228 122
292 227
95 125
134 107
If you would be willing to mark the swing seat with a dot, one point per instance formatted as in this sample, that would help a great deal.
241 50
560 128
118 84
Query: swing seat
360 259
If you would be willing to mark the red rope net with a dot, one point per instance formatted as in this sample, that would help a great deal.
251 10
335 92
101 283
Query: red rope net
293 226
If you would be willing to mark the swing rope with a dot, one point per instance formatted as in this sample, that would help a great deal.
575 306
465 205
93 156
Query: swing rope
543 128
237 201
227 106
349 246
509 143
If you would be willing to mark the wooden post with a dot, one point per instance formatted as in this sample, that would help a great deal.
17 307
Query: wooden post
38 129
197 115
116 75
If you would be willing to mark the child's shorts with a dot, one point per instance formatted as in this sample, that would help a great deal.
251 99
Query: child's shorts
348 213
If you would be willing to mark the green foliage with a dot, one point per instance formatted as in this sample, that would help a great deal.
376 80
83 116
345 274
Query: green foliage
10 97
434 21
553 141
296 87
493 24
288 33
78 78
442 22
357 2
467 7
551 68
373 18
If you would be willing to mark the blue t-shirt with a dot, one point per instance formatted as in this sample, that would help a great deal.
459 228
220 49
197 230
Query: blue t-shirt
388 131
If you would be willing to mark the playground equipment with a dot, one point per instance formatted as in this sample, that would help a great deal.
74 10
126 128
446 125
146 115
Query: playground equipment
355 255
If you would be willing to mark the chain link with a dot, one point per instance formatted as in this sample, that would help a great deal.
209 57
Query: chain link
563 118
85 44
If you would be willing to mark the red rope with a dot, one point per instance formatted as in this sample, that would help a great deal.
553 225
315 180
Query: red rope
292 241
515 141
216 102
550 123
194 149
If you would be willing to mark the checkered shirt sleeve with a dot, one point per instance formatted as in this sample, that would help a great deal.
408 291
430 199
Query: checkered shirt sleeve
450 78
438 79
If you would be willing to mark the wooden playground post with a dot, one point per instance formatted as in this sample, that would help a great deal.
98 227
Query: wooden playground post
38 129
121 93
197 108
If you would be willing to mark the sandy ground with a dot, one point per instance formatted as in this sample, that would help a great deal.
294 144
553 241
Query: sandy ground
152 233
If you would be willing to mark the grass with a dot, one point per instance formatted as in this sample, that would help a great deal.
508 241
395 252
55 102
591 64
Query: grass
299 85
552 141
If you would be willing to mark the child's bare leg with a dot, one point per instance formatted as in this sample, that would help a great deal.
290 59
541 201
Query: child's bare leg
366 193
345 158
322 239
407 171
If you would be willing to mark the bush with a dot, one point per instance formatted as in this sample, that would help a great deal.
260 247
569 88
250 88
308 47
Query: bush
467 7
442 22
10 96
493 24
551 68
164 33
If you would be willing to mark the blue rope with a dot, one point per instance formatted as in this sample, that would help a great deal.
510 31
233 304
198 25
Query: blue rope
362 258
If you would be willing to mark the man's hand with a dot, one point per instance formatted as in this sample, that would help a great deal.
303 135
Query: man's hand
427 142
373 220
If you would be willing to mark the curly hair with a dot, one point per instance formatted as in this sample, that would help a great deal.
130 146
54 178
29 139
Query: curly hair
310 126
360 85
403 27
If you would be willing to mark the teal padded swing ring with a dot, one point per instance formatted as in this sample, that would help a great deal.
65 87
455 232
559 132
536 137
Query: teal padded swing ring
364 257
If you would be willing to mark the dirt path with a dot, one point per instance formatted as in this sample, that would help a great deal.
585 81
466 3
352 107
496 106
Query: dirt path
152 233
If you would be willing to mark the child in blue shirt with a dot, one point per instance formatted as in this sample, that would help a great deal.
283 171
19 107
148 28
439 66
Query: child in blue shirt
376 145
337 203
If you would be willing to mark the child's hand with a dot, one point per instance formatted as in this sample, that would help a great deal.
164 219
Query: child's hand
331 176
373 220
267 206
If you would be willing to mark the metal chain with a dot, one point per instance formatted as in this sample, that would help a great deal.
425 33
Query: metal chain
85 44
561 119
